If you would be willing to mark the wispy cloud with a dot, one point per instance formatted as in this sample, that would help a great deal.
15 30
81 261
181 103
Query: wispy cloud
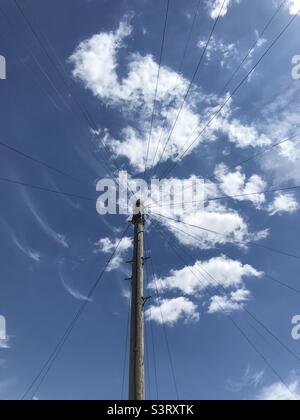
26 250
68 283
250 379
59 238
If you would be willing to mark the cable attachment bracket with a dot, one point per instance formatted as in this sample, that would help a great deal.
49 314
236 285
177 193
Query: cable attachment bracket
146 299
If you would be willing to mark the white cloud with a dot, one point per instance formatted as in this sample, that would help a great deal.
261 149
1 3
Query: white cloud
279 392
96 63
170 311
281 121
216 217
290 151
235 183
284 203
244 136
108 246
227 304
214 7
294 6
193 279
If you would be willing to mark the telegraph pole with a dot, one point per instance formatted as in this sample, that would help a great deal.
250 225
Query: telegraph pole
137 368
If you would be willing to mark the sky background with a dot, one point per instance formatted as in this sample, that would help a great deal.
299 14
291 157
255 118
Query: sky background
54 247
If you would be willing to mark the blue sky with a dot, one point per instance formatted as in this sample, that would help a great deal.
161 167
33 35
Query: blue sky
54 247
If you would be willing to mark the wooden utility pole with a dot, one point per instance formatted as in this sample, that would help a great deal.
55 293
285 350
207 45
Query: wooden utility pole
137 368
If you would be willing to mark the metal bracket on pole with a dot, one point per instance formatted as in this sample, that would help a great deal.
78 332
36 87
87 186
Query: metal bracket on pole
146 299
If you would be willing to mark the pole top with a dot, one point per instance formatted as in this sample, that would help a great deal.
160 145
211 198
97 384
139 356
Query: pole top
138 212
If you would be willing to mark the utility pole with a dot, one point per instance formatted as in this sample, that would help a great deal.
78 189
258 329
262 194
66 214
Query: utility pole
137 367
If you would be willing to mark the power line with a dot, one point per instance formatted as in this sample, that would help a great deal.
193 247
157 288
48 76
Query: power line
249 159
272 191
261 153
232 94
125 353
45 74
38 161
234 241
36 187
84 111
250 342
196 13
262 325
151 328
157 83
252 49
43 373
191 83
154 354
164 329
150 332
268 24
148 361
287 286
271 278
255 193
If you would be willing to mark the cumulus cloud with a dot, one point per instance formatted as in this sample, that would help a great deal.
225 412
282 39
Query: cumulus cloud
107 246
214 7
228 304
294 6
220 225
284 203
235 183
244 136
191 280
171 311
279 392
282 123
96 64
